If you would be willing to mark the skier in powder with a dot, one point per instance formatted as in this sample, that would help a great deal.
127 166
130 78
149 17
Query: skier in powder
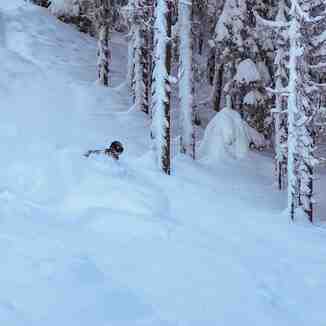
114 151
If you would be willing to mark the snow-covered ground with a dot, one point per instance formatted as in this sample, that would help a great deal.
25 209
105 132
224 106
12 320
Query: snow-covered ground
89 242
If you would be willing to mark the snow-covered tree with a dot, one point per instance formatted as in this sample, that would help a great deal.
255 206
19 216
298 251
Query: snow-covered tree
186 84
83 14
147 50
301 108
161 89
317 66
200 23
141 53
236 41
229 46
104 19
130 10
279 112
78 12
247 89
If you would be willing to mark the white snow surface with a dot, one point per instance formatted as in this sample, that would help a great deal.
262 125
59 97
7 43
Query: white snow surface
91 242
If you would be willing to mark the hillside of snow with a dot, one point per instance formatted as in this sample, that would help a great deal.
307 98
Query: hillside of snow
92 242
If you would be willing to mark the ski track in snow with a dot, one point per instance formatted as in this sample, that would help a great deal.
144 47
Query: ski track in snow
91 242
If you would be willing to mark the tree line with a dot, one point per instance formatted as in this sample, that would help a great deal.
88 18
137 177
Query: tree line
268 57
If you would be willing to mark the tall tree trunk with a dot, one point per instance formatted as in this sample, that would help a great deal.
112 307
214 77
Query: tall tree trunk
293 182
142 52
161 127
280 131
104 51
279 116
186 72
217 85
301 110
131 49
131 64
301 105
147 51
139 86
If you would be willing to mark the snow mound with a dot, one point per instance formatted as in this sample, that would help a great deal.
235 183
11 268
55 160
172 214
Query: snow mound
225 135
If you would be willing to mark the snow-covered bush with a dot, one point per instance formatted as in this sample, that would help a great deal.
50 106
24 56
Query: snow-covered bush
225 135
229 135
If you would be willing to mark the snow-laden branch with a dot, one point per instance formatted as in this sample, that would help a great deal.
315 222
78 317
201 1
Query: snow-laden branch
271 23
319 85
283 91
305 15
185 2
320 65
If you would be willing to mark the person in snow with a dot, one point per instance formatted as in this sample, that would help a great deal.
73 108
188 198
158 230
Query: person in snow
114 151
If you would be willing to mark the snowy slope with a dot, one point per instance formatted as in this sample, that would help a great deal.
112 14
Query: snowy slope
88 242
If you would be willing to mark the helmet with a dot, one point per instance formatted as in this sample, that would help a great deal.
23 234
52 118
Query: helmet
116 147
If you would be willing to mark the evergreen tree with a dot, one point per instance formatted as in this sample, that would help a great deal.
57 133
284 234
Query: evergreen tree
301 107
229 46
237 43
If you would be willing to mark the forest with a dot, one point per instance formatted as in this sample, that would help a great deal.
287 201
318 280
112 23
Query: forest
264 59
163 162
